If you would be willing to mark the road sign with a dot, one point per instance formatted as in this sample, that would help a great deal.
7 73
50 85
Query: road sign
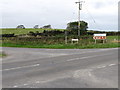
76 40
99 36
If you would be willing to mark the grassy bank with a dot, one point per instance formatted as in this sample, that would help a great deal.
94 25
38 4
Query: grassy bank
65 46
59 43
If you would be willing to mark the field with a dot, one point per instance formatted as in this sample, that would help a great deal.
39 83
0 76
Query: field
57 42
22 31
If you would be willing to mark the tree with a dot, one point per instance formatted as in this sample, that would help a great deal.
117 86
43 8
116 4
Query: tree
20 27
47 27
73 27
36 27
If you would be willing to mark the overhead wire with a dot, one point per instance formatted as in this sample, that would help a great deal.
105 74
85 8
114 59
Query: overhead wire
98 27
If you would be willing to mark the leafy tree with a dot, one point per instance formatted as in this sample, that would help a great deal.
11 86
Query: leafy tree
20 26
47 27
73 27
36 27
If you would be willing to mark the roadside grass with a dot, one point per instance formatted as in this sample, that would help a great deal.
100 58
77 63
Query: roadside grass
23 31
2 54
59 43
64 46
56 42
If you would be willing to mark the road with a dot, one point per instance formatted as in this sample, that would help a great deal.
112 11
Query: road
60 68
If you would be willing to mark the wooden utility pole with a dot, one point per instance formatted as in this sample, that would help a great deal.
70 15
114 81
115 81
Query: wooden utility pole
80 8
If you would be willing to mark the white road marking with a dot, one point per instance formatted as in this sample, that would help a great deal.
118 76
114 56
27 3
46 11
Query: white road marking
106 66
15 86
90 74
109 49
101 66
37 81
21 67
112 64
43 81
82 73
25 84
87 57
73 59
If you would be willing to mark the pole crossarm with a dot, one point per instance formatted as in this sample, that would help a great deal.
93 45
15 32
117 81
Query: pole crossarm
80 4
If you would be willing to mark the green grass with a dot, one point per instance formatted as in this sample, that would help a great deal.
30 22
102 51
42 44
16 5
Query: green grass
52 42
112 37
2 54
59 44
22 31
64 46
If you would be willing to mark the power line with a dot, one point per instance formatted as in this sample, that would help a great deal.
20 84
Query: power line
93 19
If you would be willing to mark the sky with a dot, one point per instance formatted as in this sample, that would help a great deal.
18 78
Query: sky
99 14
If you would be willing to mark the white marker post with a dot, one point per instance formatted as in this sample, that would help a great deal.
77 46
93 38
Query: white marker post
75 40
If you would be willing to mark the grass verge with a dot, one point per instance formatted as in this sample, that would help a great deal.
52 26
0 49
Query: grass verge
64 46
2 54
58 43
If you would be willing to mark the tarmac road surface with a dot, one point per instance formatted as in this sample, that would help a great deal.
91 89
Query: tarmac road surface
60 68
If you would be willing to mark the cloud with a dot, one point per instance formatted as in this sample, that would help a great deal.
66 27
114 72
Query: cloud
58 12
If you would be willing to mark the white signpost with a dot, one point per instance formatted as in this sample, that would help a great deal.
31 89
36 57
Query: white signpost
99 37
75 40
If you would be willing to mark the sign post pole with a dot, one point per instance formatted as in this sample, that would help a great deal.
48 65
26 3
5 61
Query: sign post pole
95 41
66 37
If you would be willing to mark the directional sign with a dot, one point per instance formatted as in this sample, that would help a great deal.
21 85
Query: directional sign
99 36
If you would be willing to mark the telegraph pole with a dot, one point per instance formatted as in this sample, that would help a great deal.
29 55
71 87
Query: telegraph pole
80 8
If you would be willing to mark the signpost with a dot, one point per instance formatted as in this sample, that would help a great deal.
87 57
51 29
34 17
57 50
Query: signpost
66 37
75 40
99 37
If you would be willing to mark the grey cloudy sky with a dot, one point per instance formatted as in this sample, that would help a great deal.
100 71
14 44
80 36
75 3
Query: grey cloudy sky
100 14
